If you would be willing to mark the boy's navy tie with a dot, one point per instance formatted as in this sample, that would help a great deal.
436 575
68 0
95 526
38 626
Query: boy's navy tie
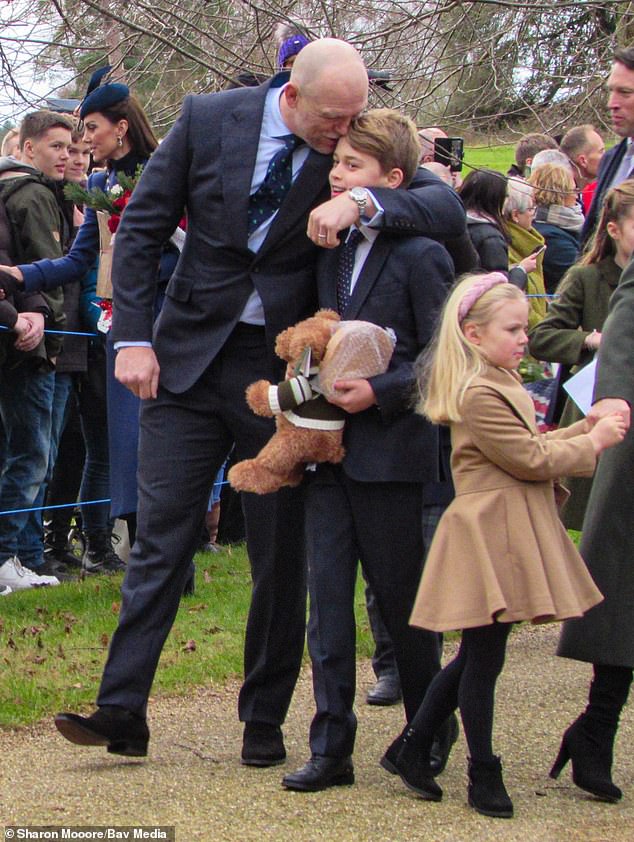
344 270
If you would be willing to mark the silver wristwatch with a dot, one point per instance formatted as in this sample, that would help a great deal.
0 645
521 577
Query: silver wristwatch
360 196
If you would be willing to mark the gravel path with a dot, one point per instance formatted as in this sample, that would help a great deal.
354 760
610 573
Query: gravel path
192 778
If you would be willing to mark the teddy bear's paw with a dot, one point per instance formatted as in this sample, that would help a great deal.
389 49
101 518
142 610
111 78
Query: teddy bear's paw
250 475
257 395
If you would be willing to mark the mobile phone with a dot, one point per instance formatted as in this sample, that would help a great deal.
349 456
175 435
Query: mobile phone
450 152
539 249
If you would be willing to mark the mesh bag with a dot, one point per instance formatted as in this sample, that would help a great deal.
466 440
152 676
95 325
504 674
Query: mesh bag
356 350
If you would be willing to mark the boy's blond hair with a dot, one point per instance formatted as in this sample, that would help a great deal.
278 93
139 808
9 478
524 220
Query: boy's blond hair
388 136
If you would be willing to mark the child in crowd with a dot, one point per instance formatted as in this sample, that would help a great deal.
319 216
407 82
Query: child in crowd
500 553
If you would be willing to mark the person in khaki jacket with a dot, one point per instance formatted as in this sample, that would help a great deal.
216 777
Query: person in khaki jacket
500 553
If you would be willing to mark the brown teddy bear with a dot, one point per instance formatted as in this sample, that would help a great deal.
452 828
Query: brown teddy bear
308 427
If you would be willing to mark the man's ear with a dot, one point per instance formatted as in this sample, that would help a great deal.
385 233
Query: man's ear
394 177
471 332
27 150
291 94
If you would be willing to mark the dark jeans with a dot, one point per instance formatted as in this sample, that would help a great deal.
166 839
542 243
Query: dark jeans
26 400
88 389
30 540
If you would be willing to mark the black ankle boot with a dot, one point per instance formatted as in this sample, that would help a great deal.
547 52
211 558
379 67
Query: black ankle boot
443 743
408 762
99 555
588 744
487 793
57 549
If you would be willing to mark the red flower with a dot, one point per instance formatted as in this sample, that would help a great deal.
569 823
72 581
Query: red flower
119 204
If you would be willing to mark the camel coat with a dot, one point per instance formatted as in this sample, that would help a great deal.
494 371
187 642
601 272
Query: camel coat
500 551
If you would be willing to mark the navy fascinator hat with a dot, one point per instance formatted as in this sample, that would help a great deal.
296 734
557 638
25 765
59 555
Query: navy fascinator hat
100 96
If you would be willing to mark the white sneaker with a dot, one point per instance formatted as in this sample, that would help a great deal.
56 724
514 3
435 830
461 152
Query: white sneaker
5 590
20 578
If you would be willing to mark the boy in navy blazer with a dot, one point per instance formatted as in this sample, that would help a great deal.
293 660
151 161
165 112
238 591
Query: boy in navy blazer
368 509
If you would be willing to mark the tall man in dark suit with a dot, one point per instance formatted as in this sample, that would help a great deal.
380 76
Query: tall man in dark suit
243 276
618 163
369 508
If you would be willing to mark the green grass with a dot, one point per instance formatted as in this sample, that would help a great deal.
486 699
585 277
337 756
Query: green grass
53 642
493 157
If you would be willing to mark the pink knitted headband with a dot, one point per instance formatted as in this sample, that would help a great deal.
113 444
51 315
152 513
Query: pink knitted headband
482 285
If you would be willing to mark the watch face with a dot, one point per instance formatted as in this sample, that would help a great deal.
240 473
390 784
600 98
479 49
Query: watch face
359 193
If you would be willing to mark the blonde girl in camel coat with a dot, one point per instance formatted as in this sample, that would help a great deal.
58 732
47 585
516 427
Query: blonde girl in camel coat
500 554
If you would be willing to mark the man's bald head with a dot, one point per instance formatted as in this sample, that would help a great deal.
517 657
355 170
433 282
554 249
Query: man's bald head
328 88
427 138
320 58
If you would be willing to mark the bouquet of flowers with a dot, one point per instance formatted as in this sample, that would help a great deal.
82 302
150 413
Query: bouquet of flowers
112 200
108 205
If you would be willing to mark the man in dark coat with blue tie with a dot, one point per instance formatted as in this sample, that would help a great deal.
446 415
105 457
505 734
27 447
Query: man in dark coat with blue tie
237 285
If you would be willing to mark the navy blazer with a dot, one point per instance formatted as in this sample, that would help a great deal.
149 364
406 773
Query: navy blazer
205 165
610 163
402 285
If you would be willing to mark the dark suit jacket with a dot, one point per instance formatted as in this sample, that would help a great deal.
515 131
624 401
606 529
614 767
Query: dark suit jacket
402 286
607 168
205 165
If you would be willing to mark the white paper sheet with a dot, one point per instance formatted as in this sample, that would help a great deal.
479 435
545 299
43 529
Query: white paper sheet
580 386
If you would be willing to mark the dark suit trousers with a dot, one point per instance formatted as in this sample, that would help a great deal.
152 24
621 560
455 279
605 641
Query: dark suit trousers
184 440
378 524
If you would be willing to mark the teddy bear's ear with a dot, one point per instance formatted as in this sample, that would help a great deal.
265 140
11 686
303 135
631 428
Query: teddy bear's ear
283 344
331 315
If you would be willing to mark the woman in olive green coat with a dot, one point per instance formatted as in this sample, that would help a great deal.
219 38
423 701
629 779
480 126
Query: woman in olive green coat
571 332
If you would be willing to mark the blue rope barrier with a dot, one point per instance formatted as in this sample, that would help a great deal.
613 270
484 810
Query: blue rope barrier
57 506
71 505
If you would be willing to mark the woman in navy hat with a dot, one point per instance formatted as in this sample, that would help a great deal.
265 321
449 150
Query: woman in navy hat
121 140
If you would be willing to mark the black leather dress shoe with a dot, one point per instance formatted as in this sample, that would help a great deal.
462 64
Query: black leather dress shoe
122 731
386 691
320 773
262 745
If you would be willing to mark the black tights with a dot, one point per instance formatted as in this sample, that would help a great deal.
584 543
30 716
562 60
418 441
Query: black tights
468 683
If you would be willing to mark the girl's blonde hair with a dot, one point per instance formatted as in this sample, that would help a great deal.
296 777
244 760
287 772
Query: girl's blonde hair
617 204
451 363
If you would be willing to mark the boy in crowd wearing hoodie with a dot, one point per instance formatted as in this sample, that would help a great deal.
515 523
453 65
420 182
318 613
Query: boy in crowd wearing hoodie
30 191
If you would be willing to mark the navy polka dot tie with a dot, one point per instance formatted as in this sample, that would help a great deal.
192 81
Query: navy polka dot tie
345 268
277 182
